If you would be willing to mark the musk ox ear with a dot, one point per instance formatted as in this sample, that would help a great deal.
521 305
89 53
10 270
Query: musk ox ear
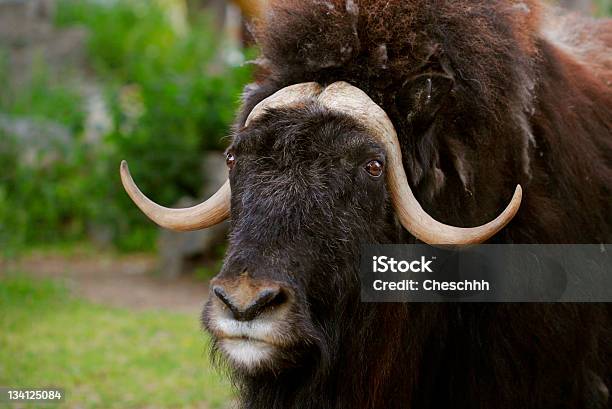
421 98
417 104
422 165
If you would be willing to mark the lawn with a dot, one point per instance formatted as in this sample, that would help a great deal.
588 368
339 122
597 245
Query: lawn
103 357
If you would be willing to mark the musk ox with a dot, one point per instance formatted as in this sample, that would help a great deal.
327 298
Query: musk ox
388 121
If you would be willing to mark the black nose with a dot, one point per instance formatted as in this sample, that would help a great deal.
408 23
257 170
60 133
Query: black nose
247 304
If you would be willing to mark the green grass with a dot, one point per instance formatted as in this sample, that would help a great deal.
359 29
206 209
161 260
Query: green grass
103 357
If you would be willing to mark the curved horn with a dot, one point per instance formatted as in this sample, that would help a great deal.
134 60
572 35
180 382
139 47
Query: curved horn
217 208
211 212
345 98
286 97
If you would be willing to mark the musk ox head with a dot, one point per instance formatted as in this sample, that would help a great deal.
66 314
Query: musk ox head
357 104
314 172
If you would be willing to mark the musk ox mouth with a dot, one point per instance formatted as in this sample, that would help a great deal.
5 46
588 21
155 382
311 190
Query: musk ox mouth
246 353
263 331
249 344
245 338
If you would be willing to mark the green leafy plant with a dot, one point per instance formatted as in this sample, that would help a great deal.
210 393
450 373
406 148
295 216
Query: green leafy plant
169 96
38 175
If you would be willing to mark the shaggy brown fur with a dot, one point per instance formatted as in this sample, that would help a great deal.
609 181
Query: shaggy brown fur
525 108
513 103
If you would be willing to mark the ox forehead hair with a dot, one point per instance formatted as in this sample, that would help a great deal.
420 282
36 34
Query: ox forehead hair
302 128
339 97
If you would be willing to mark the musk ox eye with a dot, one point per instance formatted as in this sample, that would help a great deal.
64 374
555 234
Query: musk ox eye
374 168
230 159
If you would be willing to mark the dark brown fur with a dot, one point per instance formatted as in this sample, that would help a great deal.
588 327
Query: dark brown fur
524 109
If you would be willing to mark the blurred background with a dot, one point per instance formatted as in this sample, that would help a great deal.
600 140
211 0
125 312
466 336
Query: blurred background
93 297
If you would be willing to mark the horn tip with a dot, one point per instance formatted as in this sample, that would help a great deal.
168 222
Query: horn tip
518 192
124 169
515 202
126 177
